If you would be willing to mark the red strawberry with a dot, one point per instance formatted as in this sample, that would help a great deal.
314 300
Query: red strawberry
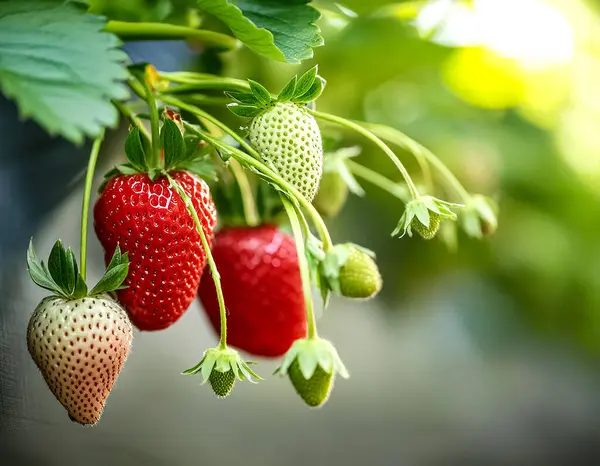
149 220
262 289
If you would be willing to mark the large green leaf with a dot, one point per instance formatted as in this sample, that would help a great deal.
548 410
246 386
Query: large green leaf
60 68
282 30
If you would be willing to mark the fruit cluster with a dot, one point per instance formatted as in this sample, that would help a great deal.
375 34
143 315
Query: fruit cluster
156 218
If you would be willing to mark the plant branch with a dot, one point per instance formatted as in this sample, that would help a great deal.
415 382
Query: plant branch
85 206
303 265
209 257
135 121
130 31
382 145
248 204
377 179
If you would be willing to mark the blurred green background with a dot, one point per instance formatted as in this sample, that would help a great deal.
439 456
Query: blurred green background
485 354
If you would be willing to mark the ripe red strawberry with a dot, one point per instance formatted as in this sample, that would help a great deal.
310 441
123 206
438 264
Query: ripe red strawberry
150 221
262 289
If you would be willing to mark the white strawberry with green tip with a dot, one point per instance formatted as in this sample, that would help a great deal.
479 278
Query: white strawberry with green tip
283 131
79 340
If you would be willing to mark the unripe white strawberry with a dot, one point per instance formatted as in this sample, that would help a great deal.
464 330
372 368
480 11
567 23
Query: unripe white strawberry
80 346
79 340
283 131
288 138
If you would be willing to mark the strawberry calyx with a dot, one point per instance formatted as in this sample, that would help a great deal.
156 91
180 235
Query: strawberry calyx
312 364
221 367
62 277
424 215
479 218
299 90
181 151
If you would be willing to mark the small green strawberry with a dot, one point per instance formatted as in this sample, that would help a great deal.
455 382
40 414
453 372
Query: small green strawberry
222 382
222 367
283 132
424 215
315 390
311 365
359 276
350 271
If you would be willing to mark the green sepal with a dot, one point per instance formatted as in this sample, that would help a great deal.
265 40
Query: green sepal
336 162
262 95
222 360
305 82
479 216
243 98
245 111
313 352
115 274
315 256
134 150
60 266
331 264
39 273
126 169
201 167
288 90
312 93
173 143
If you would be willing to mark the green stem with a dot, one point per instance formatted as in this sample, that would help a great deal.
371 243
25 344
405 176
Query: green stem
382 145
223 84
248 204
154 122
209 257
303 265
266 172
135 121
203 99
159 31
378 180
85 207
398 138
208 80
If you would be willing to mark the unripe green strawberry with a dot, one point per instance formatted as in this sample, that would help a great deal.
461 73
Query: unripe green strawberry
359 276
430 231
332 194
222 382
315 390
288 138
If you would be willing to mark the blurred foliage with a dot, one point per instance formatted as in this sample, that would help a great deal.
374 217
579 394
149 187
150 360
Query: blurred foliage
520 128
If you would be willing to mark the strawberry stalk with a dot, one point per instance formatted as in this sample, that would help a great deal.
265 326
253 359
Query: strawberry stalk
154 161
414 192
377 179
303 265
248 204
85 207
211 262
400 139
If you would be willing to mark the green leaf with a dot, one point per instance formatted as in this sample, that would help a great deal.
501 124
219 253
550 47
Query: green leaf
202 167
115 274
60 68
288 91
305 82
245 111
282 31
38 272
134 150
260 92
242 98
173 143
312 94
126 169
61 268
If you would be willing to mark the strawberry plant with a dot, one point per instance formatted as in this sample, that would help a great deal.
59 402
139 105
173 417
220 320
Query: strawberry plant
229 212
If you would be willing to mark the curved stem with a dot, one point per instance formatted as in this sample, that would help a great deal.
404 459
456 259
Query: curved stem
248 204
85 206
222 84
303 265
189 77
135 121
382 145
159 31
398 138
209 257
266 172
378 180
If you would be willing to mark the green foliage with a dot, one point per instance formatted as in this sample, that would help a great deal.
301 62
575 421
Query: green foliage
280 30
60 68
